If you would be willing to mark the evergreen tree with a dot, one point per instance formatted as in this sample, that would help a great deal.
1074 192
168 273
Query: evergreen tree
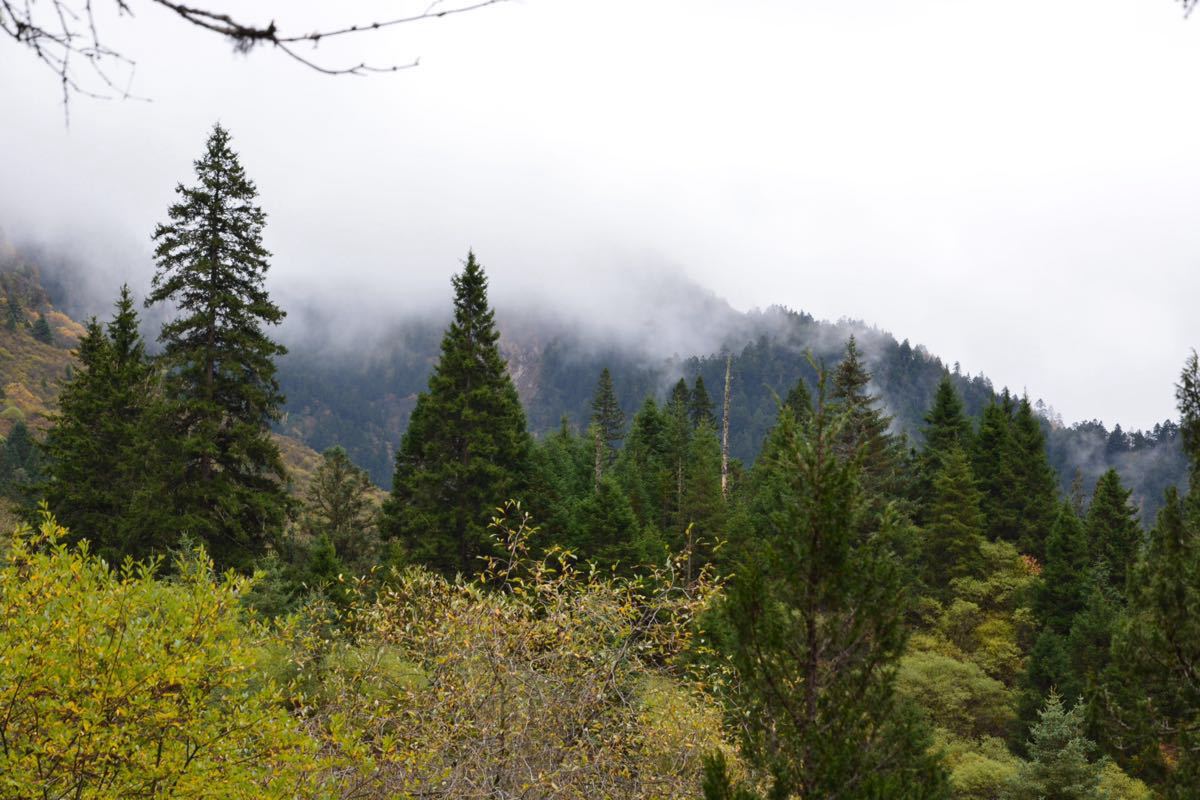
1059 767
1153 689
701 405
813 624
1062 594
1035 494
1065 577
1114 534
41 330
865 432
607 415
20 467
643 467
678 438
946 428
466 450
954 533
946 423
704 511
13 315
996 473
96 467
606 530
799 400
225 477
338 507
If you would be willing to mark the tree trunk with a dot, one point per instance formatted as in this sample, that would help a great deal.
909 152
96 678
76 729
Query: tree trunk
725 432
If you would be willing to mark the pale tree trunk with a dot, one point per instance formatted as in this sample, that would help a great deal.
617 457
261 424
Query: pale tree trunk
725 432
599 455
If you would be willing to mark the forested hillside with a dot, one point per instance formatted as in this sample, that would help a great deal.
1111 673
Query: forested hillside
361 399
889 595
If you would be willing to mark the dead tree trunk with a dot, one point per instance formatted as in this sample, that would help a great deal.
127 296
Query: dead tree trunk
725 432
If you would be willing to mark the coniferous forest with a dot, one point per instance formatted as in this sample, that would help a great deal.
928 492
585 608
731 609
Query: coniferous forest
709 592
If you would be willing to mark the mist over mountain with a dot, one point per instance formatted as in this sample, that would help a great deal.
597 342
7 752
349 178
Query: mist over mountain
354 370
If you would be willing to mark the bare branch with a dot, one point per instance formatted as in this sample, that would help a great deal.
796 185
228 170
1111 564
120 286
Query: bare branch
61 33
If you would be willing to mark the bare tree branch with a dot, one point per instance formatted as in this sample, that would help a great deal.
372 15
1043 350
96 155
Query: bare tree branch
63 33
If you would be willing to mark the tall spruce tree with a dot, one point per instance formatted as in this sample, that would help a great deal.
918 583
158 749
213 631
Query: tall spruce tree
95 468
814 624
993 464
225 479
1114 534
607 415
701 405
1036 489
338 507
954 531
865 432
1062 595
946 429
1153 687
41 330
466 450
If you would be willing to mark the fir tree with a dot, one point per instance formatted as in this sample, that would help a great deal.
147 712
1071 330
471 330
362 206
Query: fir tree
41 330
1065 576
704 511
95 446
1059 767
339 508
225 477
865 432
1035 493
701 405
814 626
1062 594
466 450
946 423
1114 534
1153 691
13 315
607 415
954 532
20 467
995 471
799 400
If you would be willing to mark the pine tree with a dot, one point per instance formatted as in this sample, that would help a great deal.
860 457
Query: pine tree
1065 576
41 330
865 432
678 441
13 315
466 450
1153 687
946 423
226 478
1062 594
607 415
339 508
799 400
701 405
1059 767
1036 490
1114 534
96 468
20 467
813 624
704 511
644 469
954 532
992 461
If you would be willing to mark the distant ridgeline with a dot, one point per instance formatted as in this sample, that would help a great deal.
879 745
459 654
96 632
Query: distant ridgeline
362 402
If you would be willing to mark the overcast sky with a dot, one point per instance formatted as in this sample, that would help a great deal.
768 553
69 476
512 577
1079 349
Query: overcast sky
1014 185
